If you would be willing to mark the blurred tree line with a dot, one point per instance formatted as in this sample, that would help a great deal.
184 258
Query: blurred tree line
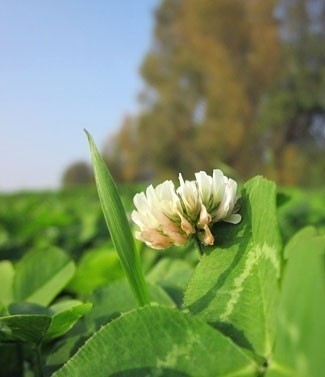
235 84
78 173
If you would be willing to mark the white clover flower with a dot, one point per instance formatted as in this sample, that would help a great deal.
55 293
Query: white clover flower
218 195
161 225
189 199
169 217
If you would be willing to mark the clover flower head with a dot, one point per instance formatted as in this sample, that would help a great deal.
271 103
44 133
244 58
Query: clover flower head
189 198
157 217
167 216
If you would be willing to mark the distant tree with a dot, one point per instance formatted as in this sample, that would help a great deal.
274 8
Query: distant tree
295 113
207 74
77 174
121 152
235 84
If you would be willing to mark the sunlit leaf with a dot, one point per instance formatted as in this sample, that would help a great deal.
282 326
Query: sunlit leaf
41 275
236 286
158 341
96 268
300 341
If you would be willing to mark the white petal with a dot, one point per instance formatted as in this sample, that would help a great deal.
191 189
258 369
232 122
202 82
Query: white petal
151 196
189 195
218 186
235 218
141 202
228 201
205 186
144 220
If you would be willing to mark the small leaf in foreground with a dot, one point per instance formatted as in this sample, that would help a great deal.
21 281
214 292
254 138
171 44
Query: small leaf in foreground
65 315
25 328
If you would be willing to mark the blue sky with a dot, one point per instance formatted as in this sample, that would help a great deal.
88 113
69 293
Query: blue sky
65 65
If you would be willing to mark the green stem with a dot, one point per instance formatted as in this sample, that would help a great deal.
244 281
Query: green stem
199 246
20 359
38 362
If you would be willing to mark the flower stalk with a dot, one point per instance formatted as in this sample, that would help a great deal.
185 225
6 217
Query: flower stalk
199 246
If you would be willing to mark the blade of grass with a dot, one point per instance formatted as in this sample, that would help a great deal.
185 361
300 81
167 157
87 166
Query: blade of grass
118 225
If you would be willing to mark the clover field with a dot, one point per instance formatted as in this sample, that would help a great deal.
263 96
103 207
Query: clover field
253 305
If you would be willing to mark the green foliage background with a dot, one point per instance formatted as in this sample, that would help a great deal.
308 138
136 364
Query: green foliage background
58 265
